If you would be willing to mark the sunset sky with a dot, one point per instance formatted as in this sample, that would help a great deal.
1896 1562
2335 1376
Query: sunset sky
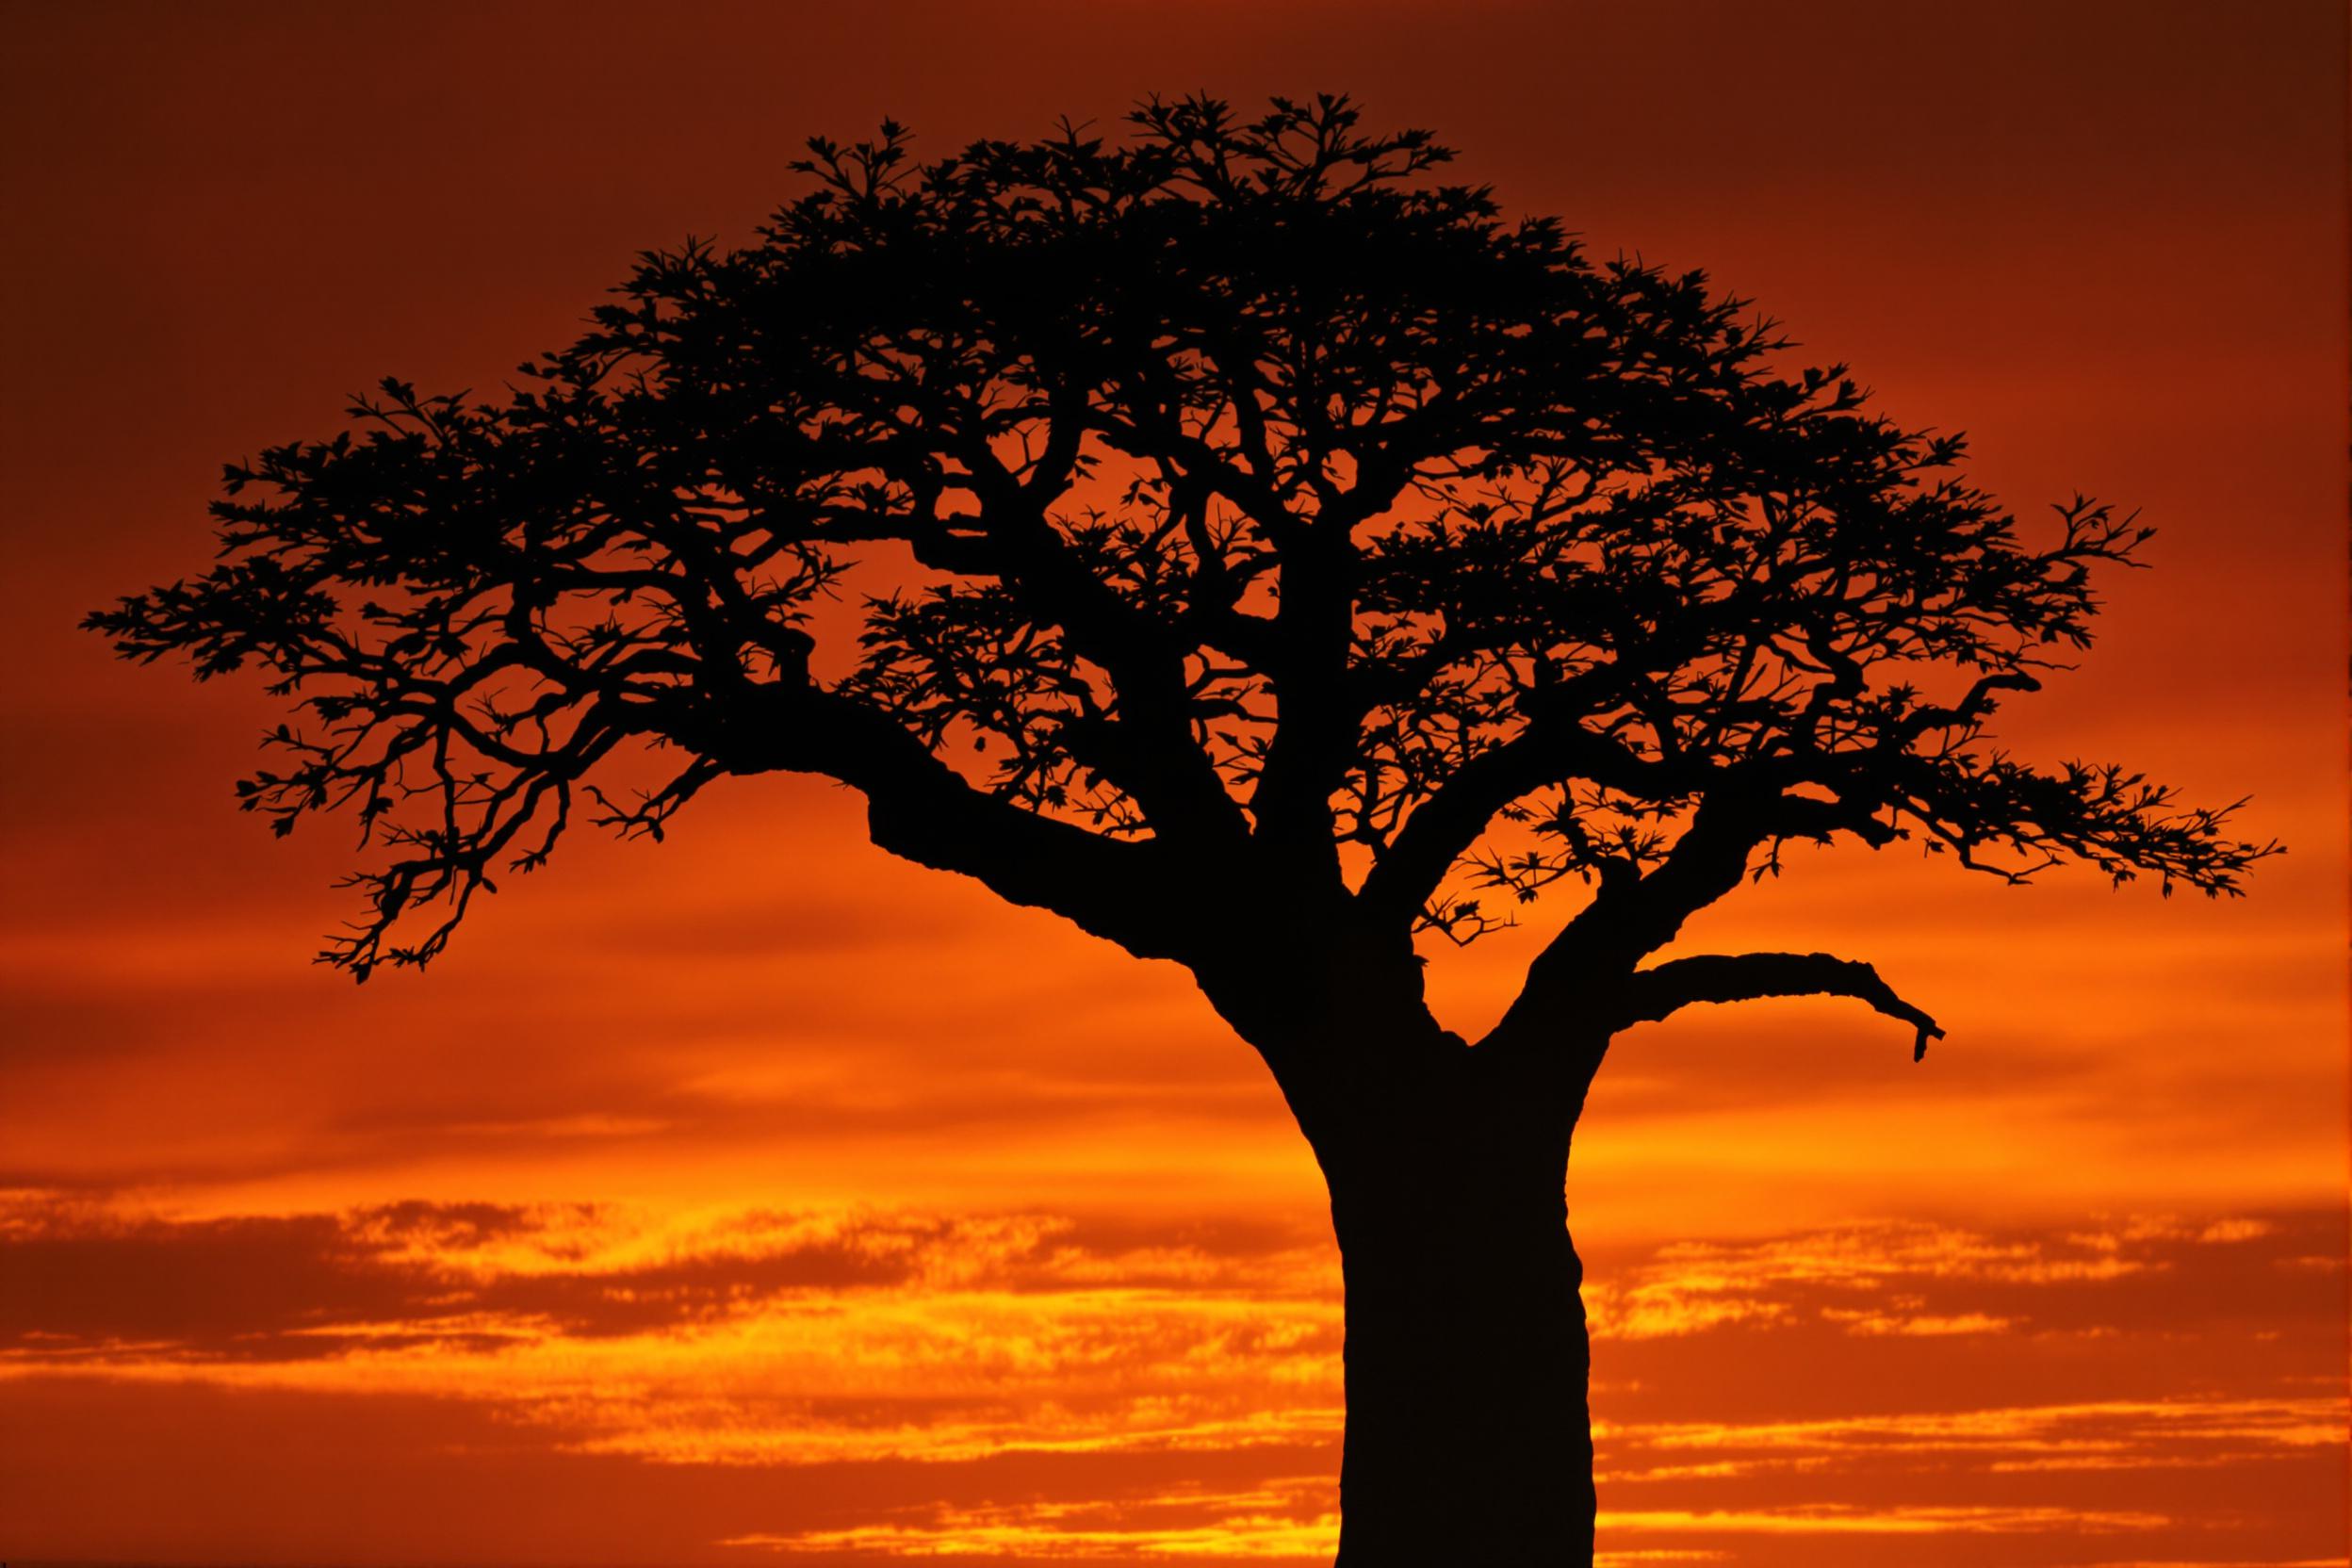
755 1199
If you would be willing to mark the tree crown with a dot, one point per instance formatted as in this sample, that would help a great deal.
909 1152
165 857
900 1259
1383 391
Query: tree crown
1231 530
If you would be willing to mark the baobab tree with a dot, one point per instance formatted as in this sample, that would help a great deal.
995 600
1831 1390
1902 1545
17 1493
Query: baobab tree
1261 553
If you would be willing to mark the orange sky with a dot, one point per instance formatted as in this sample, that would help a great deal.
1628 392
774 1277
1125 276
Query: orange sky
729 1201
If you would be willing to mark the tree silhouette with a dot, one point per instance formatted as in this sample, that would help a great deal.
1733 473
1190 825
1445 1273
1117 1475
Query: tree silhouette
1260 553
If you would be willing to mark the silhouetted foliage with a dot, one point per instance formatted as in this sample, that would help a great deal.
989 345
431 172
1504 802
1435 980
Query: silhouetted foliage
1261 552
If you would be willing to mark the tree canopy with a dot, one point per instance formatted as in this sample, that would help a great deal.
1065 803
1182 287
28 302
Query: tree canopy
1227 529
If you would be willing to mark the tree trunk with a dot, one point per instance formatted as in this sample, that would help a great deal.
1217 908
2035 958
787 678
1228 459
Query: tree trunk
1468 1439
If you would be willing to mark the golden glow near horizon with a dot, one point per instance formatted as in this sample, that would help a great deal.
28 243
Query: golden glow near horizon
756 1198
743 1342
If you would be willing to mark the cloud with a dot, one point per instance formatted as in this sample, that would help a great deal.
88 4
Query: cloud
1833 1519
1854 1381
1282 1520
1920 1277
751 1337
2116 1432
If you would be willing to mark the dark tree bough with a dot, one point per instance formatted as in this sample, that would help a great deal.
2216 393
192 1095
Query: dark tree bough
1292 556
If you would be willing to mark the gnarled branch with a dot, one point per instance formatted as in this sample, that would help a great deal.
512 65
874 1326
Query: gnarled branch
1653 994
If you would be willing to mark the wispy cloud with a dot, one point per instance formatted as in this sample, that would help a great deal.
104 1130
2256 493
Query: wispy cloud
1284 1519
1836 1519
1758 1390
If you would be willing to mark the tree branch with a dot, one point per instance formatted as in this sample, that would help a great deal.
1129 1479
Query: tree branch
1653 994
920 810
1633 915
1551 750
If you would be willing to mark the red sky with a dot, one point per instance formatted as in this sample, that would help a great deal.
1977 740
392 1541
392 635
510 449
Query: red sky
733 1199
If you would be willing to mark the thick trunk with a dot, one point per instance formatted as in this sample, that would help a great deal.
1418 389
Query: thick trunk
1468 1435
1468 1438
